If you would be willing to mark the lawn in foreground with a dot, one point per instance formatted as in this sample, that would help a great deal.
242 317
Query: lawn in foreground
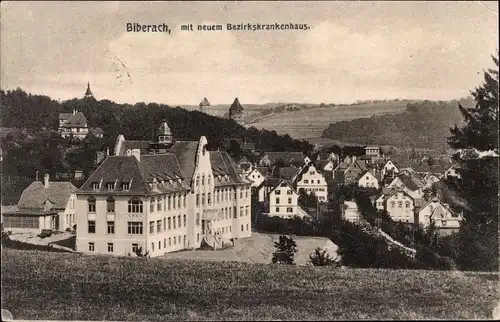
64 286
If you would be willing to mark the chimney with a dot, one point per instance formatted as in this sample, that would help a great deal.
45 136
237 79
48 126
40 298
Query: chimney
74 111
46 181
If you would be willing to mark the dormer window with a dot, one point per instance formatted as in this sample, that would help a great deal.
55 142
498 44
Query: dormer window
110 186
95 185
125 186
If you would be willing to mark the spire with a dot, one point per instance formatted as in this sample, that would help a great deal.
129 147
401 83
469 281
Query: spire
164 133
88 93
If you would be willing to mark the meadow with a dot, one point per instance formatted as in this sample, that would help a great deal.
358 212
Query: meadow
310 123
64 286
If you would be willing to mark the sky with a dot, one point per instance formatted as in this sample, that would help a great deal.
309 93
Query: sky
352 51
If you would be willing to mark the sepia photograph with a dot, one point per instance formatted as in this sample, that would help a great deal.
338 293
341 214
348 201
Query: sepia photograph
249 160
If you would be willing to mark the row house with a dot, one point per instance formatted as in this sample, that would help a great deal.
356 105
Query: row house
162 196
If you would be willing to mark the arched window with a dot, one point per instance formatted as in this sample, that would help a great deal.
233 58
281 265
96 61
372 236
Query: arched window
135 206
91 204
110 205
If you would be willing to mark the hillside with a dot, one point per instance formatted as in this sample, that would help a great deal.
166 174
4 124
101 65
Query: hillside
421 125
63 286
309 122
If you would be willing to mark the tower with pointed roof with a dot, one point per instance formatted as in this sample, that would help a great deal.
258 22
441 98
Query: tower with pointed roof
164 137
236 112
204 105
88 92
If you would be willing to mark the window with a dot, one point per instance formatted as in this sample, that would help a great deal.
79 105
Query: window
95 185
169 203
173 222
407 204
277 209
393 204
91 204
289 209
247 227
241 227
198 180
91 229
175 241
135 206
152 205
91 247
241 194
158 208
110 205
164 224
134 228
169 223
277 200
246 211
400 204
184 240
111 227
289 192
289 200
246 193
217 195
173 201
277 192
241 211
203 180
110 186
229 228
179 221
135 248
209 179
185 201
184 220
209 201
152 247
159 244
151 227
197 219
158 226
165 203
164 243
235 215
110 247
223 230
179 201
198 238
203 199
197 199
306 181
125 186
169 241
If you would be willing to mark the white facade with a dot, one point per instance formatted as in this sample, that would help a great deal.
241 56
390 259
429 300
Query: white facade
329 166
397 183
451 172
389 166
400 207
256 177
372 150
307 160
350 212
313 181
163 222
439 213
284 202
368 180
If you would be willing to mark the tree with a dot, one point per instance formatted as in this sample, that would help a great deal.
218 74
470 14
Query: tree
234 150
285 250
320 257
478 236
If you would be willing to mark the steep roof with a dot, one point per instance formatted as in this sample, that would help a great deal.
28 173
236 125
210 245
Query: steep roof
236 107
269 182
185 151
409 182
288 173
96 131
164 129
64 116
76 120
223 164
88 92
205 102
35 195
283 181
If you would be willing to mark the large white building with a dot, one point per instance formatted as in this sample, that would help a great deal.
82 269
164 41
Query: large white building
311 180
162 197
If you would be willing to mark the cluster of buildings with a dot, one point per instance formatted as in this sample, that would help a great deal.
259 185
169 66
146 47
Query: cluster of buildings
159 196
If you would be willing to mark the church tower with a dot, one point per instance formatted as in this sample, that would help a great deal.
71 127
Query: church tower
204 105
164 138
88 92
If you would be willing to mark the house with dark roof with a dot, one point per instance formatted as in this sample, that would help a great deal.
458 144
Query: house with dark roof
399 205
162 196
408 184
76 125
43 205
312 181
368 180
349 170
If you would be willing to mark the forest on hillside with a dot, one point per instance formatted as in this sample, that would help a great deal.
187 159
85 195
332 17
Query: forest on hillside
424 124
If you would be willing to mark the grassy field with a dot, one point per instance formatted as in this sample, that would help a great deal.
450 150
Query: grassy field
38 285
310 123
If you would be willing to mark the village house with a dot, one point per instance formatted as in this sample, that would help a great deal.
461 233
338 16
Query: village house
389 169
311 181
349 170
452 172
47 205
256 177
162 196
372 151
284 201
408 184
436 211
265 188
76 125
368 180
400 205
350 212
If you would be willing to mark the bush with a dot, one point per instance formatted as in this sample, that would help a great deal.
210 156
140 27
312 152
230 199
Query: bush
45 233
322 258
285 251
